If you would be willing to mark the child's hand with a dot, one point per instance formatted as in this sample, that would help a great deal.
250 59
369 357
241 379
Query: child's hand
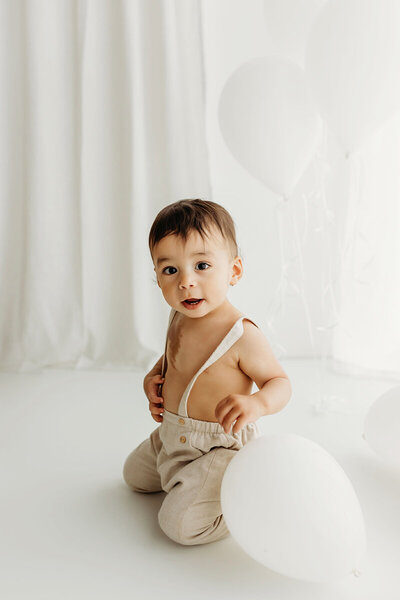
151 389
236 407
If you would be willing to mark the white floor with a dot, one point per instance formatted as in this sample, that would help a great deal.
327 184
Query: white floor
71 529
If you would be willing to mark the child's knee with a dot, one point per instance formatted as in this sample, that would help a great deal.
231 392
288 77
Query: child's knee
184 528
139 475
173 527
129 472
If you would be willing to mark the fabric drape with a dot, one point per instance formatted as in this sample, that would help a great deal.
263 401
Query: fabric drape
367 337
101 125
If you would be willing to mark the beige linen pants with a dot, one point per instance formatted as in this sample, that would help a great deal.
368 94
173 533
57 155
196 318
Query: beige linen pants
187 459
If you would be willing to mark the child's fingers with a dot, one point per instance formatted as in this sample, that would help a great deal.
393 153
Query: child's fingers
158 380
156 387
156 399
155 410
153 386
157 417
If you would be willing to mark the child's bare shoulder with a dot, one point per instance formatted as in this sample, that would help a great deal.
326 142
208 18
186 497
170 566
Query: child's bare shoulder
253 338
256 357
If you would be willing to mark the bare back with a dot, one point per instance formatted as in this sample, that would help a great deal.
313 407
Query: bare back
188 347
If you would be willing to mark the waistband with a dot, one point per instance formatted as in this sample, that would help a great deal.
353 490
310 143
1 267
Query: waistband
193 424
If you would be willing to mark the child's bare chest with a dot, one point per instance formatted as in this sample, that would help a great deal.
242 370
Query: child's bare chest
187 351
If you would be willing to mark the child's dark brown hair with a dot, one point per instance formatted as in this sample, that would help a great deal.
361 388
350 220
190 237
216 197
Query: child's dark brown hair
184 216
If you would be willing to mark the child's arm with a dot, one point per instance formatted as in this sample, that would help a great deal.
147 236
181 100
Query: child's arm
256 359
156 370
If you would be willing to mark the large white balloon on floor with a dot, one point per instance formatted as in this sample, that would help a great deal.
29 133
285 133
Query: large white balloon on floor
269 121
353 61
291 507
288 25
382 426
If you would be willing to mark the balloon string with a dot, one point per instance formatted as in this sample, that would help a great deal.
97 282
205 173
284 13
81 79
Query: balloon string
300 241
347 246
346 242
328 300
331 309
302 275
329 295
271 310
317 403
325 217
283 281
329 219
347 264
328 284
276 304
359 234
353 214
335 286
323 213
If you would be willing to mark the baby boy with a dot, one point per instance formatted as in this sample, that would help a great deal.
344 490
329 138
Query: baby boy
200 388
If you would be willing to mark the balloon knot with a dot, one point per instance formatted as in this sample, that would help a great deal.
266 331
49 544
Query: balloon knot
356 573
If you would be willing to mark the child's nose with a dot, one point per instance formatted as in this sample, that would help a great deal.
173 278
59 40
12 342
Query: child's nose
186 282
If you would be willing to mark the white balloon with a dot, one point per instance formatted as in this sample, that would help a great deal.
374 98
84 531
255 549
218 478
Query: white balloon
291 507
353 61
269 121
382 426
288 25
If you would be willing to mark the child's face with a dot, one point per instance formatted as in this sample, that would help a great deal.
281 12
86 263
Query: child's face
198 269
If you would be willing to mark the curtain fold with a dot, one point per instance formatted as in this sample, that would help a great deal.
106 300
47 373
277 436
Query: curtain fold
367 337
102 124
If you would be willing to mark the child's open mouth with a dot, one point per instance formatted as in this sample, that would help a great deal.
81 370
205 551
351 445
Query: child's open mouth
192 303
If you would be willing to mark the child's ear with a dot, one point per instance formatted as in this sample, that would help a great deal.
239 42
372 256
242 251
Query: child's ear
237 270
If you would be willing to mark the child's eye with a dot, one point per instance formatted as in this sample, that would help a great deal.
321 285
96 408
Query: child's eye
165 270
204 267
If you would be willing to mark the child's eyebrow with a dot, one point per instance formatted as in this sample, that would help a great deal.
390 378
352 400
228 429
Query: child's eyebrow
165 259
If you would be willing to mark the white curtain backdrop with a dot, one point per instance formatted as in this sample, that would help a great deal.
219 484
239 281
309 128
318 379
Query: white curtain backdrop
324 267
101 125
367 337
